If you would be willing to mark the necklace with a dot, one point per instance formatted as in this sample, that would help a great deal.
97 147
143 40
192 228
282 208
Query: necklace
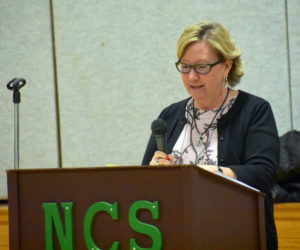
200 139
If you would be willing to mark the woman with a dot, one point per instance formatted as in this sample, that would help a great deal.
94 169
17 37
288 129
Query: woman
218 128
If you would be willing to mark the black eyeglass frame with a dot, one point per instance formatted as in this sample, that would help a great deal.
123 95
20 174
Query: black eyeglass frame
211 65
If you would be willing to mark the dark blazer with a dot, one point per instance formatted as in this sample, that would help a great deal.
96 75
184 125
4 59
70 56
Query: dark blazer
248 143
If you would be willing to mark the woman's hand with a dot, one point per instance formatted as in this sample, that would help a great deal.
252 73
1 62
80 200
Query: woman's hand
215 169
161 158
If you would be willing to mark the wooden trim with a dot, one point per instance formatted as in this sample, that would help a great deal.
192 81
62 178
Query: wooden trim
14 211
262 223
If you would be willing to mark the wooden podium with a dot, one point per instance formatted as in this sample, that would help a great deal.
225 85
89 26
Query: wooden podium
188 208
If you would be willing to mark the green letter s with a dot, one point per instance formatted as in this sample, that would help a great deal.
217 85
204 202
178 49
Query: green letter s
144 228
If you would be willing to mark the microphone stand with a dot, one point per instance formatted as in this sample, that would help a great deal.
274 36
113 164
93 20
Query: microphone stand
15 85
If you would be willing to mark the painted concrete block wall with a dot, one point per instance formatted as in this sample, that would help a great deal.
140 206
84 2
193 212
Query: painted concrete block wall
115 72
25 52
116 68
294 41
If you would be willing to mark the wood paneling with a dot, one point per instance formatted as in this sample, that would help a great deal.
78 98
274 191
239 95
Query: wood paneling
287 218
4 228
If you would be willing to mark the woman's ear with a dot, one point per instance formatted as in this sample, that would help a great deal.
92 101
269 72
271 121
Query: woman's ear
228 66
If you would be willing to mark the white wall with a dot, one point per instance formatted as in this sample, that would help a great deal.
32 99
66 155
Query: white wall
115 72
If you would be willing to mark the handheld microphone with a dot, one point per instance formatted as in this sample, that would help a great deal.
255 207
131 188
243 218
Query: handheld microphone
159 128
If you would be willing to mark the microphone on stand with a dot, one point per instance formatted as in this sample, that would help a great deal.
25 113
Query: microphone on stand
15 85
159 128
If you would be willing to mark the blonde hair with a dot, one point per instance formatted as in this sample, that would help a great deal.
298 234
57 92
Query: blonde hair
220 40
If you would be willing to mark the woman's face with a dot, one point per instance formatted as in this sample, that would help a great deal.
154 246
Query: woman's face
206 89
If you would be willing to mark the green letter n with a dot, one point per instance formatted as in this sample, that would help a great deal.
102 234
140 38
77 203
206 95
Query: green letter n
52 217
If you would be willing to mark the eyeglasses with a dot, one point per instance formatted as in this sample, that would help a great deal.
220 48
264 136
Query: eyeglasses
203 68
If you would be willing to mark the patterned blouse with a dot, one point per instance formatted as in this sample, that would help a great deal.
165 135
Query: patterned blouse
198 141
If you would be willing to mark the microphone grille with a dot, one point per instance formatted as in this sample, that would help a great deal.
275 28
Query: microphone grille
159 127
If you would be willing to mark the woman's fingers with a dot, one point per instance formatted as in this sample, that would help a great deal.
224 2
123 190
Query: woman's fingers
161 158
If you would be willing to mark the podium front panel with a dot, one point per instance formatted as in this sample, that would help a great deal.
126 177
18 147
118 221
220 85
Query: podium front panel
198 209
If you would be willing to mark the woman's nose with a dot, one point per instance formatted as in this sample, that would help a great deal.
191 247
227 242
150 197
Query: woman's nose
193 74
